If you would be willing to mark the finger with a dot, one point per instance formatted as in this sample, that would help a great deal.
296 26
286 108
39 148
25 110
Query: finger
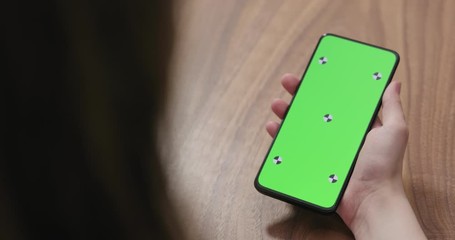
279 107
272 128
392 112
377 123
290 83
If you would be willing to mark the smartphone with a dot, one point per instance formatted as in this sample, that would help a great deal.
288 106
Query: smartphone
314 152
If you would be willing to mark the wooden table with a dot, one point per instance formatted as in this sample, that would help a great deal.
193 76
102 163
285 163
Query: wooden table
228 58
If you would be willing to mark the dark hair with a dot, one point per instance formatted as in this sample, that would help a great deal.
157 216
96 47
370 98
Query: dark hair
84 88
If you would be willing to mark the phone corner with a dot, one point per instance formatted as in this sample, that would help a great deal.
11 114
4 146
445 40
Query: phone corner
327 34
257 185
396 55
327 210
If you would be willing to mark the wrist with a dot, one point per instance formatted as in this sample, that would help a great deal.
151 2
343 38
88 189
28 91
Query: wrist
379 201
386 214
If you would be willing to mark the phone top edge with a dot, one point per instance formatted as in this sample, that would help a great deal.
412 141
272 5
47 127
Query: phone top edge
397 55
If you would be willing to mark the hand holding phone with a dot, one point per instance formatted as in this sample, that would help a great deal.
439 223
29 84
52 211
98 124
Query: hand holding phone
371 200
325 126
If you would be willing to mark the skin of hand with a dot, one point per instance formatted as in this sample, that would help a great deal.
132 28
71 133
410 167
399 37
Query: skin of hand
374 205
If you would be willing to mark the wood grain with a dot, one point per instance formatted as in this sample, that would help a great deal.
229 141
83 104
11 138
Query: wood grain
228 58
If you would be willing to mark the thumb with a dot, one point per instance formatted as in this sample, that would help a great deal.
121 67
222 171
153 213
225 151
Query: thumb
392 112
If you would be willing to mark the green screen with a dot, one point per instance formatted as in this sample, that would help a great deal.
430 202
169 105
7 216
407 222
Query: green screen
312 155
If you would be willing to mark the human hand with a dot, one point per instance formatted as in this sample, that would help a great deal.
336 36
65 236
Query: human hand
376 179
